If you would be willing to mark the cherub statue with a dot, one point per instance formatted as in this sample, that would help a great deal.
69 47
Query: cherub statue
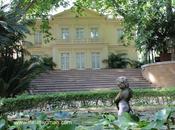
123 97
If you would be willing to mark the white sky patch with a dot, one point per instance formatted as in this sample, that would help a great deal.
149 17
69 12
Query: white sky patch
3 2
61 9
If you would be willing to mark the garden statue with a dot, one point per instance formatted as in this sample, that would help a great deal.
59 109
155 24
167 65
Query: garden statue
123 97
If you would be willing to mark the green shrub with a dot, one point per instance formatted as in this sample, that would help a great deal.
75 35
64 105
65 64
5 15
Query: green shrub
15 76
118 60
59 99
136 64
15 72
47 62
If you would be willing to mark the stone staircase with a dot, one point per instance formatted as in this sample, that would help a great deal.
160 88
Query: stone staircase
79 80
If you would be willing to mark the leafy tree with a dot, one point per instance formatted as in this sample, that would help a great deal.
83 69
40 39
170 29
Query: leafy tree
153 22
15 72
15 76
26 12
47 62
11 52
149 22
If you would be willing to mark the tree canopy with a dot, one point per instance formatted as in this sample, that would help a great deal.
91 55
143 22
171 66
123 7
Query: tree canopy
15 72
151 23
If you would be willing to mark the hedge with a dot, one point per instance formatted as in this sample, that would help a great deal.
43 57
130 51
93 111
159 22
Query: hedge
71 99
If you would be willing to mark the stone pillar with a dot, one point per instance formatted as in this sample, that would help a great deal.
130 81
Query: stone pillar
104 56
173 54
55 57
88 60
72 60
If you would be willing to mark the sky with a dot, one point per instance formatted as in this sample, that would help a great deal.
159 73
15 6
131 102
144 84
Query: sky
4 1
61 9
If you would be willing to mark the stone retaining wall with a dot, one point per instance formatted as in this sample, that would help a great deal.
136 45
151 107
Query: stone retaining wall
161 74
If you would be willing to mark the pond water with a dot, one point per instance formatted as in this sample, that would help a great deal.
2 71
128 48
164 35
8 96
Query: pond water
84 120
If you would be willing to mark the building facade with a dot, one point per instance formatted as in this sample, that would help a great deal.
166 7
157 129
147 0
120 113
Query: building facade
82 42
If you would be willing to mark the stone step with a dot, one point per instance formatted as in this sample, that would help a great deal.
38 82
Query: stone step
83 86
72 89
77 80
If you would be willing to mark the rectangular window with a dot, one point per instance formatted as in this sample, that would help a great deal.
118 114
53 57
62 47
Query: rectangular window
95 60
64 33
120 33
38 38
94 33
64 61
80 33
80 60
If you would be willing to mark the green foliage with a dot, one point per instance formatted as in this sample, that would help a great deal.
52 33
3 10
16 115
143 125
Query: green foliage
24 102
35 125
15 72
13 31
31 101
15 76
136 64
5 124
31 10
121 61
152 20
47 62
67 127
118 60
2 124
125 122
150 23
161 120
41 116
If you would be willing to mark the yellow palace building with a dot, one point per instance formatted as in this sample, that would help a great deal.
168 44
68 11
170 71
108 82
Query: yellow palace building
82 42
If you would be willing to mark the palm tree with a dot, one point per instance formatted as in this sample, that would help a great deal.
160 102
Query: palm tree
15 72
118 60
15 77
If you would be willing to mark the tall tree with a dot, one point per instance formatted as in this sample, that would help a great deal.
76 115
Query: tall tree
15 73
151 23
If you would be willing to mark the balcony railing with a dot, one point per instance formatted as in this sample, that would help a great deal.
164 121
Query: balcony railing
31 45
80 41
66 41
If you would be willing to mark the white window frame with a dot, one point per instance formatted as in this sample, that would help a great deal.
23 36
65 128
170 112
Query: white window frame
95 60
80 60
65 33
64 61
94 33
80 33
38 38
